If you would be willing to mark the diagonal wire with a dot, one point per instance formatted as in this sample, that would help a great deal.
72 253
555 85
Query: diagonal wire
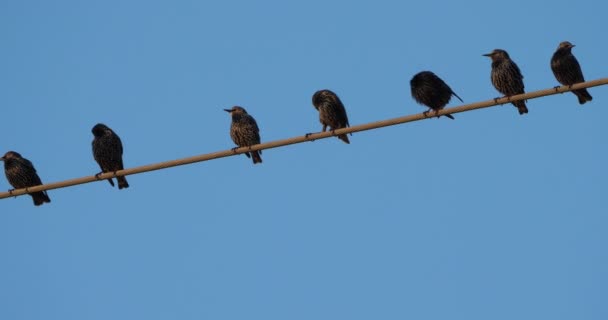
300 139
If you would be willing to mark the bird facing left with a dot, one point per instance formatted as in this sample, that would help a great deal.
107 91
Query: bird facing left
20 173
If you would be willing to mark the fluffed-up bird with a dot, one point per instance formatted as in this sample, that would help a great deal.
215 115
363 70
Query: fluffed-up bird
332 113
20 173
244 131
567 70
107 151
506 77
429 90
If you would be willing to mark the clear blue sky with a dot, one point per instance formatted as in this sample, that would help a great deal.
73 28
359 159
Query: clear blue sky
490 216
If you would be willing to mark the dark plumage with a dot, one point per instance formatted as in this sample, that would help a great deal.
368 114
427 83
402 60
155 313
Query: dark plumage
244 131
567 70
507 78
107 151
428 89
331 112
20 173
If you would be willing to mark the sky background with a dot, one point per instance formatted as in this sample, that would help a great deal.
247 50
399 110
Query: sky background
490 216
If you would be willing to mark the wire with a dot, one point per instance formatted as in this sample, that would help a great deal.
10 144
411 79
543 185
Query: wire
300 139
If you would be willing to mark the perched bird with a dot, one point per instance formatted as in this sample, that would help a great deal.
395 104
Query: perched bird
244 131
107 151
567 70
331 111
20 173
506 77
428 89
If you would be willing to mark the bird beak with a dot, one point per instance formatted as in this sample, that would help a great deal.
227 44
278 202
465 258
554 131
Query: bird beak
487 55
572 46
228 110
1 158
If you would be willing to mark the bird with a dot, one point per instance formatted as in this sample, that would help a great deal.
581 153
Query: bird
20 173
506 77
244 131
331 111
429 90
107 151
567 70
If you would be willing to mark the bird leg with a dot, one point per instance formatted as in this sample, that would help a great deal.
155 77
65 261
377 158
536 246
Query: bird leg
324 128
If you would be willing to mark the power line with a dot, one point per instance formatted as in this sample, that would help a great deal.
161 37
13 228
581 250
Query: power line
300 139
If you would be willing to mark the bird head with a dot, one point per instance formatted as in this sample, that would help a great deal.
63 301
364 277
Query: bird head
566 45
322 96
10 155
497 55
236 110
100 129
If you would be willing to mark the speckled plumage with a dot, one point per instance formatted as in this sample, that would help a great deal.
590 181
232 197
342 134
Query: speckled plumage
20 173
107 151
332 113
429 90
568 71
506 77
244 131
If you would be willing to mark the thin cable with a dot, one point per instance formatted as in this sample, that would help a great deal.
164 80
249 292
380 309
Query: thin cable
300 139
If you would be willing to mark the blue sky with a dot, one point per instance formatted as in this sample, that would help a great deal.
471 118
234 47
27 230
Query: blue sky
490 216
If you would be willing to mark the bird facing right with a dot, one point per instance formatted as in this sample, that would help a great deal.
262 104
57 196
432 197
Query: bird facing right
20 173
567 70
506 77
107 151
331 111
428 89
244 131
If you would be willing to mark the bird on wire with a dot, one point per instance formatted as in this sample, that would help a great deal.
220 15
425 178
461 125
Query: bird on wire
107 151
506 77
429 90
20 173
244 131
332 113
568 71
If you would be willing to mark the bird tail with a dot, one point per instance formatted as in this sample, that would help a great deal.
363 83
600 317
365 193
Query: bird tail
256 157
449 116
344 138
40 197
111 182
521 106
122 182
583 95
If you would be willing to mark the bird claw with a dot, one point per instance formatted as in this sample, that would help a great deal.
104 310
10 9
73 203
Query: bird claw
426 114
556 88
308 135
10 191
97 175
234 149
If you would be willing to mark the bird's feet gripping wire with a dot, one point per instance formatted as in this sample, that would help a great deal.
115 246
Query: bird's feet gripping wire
308 135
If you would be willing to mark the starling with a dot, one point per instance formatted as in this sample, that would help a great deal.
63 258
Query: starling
428 89
107 151
567 70
331 111
244 131
20 173
507 78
